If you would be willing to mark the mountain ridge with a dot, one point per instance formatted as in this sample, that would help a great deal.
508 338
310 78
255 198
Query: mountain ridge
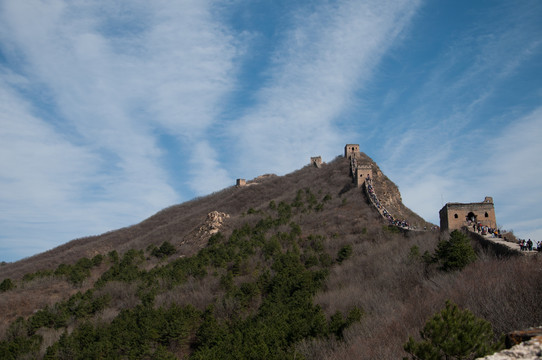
230 200
306 254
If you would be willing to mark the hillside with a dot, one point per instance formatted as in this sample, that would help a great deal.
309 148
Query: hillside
176 223
307 246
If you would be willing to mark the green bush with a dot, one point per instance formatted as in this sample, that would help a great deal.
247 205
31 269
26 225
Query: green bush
337 323
455 253
37 275
139 333
344 253
97 260
78 272
166 249
6 285
454 334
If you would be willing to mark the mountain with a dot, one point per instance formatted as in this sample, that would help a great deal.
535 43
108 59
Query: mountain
283 267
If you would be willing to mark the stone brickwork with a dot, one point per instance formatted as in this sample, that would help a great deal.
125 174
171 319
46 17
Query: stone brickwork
241 182
316 161
456 215
363 172
351 150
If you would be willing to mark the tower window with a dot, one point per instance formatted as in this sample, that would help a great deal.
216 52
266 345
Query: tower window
455 216
486 215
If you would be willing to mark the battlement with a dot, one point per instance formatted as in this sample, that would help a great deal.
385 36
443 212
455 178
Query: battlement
456 215
316 161
363 171
351 150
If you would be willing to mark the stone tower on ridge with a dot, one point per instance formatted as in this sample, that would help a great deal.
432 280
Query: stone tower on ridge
363 171
360 170
456 215
351 150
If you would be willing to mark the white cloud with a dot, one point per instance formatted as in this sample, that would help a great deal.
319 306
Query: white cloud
206 171
109 77
95 87
447 146
326 56
513 172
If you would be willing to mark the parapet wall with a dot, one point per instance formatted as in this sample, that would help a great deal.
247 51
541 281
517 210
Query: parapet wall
499 249
363 172
316 161
351 150
456 215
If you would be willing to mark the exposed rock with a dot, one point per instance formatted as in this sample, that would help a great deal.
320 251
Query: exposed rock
214 221
264 177
527 345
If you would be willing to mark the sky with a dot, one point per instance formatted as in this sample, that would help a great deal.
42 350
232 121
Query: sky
113 110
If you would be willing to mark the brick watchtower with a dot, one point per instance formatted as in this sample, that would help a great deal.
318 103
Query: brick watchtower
456 215
351 150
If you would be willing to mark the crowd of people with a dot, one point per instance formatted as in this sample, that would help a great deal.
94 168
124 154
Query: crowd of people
381 208
528 245
524 245
484 230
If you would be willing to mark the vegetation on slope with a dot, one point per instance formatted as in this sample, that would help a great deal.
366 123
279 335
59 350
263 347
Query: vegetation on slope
267 280
297 271
454 334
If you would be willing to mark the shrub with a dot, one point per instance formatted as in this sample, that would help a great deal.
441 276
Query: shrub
6 285
344 253
37 275
166 249
97 260
454 334
455 253
337 324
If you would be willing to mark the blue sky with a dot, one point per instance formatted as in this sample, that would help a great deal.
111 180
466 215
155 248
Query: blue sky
111 111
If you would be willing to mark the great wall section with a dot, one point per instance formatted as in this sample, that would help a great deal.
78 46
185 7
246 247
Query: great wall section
362 175
476 219
365 173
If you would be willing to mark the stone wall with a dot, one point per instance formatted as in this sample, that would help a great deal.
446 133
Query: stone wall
456 215
316 161
351 150
362 171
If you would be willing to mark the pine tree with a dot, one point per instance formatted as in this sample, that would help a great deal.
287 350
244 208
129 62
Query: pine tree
454 334
455 253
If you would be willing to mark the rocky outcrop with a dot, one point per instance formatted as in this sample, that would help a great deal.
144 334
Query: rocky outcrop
525 344
212 224
200 235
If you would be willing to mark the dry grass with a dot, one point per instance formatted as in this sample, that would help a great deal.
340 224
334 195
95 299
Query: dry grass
32 296
123 295
397 293
398 296
198 292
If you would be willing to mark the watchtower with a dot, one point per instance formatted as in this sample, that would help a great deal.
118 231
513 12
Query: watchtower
351 150
456 215
316 161
241 182
363 172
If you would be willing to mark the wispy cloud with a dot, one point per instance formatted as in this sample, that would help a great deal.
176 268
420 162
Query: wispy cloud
111 111
328 53
512 172
110 77
447 136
